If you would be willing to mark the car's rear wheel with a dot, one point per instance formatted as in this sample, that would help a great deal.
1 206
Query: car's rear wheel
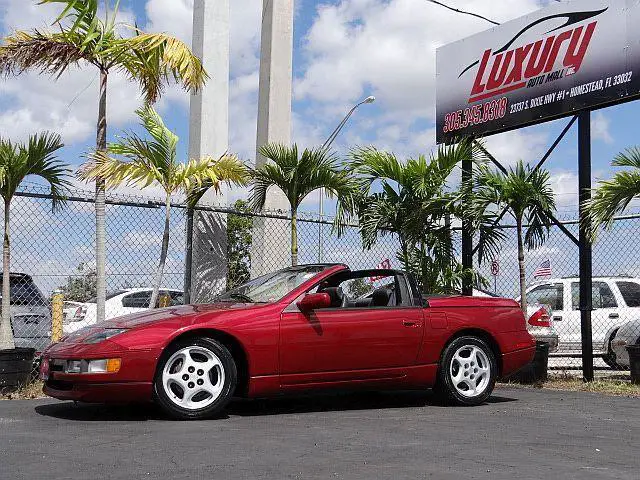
610 357
195 378
468 372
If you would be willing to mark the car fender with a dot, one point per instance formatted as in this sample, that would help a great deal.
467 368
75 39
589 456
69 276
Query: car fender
607 337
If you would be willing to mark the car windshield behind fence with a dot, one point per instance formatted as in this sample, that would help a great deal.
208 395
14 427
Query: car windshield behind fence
272 286
24 292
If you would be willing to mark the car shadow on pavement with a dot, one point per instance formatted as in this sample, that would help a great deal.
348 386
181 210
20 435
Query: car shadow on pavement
92 412
259 407
377 400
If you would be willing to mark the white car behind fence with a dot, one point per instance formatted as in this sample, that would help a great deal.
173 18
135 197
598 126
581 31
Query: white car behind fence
120 302
615 301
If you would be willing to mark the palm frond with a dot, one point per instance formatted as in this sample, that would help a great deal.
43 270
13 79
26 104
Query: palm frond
629 158
612 197
374 164
138 172
37 157
197 176
49 53
153 59
297 175
78 11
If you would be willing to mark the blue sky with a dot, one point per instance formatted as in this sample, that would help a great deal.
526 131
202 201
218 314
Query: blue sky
344 50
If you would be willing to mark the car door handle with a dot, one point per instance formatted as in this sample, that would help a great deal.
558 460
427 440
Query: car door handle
614 315
557 318
411 323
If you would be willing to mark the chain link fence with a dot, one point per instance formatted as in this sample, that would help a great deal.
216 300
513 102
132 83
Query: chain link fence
53 276
615 291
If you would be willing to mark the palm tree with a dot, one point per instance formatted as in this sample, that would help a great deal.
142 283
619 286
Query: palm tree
148 161
17 161
526 195
611 197
150 59
412 200
297 176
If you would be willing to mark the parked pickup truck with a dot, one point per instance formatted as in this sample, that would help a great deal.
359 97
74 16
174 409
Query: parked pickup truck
615 302
292 330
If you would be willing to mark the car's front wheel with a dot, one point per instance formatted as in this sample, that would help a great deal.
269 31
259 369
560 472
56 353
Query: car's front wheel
468 371
195 378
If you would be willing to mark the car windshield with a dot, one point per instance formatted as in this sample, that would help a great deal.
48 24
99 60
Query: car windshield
272 286
22 291
109 296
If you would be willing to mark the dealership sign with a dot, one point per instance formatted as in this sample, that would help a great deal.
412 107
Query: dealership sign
553 62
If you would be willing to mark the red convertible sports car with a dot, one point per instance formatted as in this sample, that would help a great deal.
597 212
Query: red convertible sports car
308 327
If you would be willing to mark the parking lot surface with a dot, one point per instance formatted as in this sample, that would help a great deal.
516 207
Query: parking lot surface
520 433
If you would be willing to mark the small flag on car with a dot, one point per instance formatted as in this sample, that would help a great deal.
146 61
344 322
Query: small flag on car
544 270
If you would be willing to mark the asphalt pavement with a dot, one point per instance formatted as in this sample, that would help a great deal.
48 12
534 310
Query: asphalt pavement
520 433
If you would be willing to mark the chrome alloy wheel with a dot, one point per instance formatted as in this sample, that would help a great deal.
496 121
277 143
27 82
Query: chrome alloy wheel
193 378
470 371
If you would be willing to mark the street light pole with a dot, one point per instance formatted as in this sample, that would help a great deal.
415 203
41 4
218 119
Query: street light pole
326 146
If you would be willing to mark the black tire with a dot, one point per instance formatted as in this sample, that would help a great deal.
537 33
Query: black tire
228 385
445 388
610 357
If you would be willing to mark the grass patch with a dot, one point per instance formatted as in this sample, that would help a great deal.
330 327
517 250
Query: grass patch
30 391
606 386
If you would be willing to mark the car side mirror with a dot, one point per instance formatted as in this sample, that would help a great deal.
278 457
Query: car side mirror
314 301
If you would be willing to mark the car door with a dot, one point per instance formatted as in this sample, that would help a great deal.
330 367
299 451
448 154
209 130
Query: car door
605 312
349 343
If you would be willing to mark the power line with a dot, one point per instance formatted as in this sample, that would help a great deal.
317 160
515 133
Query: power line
465 12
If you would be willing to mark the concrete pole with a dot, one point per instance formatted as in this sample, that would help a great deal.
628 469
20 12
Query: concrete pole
271 239
209 135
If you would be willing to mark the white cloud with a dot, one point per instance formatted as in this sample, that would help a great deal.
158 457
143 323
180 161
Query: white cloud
600 124
565 188
525 144
387 48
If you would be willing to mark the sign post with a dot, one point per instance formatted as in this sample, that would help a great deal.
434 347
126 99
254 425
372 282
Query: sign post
495 270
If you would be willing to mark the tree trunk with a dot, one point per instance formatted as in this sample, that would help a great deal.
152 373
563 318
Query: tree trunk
163 254
294 237
6 332
523 287
101 144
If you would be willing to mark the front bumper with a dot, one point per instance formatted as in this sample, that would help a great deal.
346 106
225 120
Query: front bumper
112 392
132 383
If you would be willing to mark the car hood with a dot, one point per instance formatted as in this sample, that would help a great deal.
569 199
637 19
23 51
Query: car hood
171 313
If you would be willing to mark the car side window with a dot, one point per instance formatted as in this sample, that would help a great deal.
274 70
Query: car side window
630 291
601 296
137 300
547 295
177 298
371 292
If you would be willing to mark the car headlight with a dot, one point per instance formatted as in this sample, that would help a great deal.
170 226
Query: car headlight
103 335
103 365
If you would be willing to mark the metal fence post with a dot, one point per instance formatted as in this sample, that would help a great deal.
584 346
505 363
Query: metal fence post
585 251
188 256
467 235
57 315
